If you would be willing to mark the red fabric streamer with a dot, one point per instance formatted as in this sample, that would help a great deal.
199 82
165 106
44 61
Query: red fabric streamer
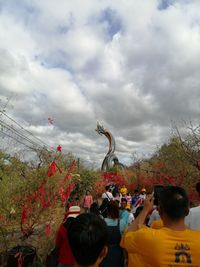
68 191
23 219
52 169
42 196
59 169
48 202
30 210
50 120
48 229
59 148
70 169
19 257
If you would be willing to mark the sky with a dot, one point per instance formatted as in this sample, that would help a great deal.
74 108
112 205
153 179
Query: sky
131 65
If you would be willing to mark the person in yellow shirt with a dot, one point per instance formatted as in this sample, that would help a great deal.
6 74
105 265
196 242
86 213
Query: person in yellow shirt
123 191
157 224
173 245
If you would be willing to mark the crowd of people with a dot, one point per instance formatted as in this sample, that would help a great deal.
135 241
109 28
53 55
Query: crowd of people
131 230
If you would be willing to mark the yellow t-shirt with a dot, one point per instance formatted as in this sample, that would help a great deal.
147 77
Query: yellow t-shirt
157 224
163 247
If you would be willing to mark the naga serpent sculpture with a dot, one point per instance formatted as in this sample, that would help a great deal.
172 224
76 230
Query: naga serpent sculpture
110 159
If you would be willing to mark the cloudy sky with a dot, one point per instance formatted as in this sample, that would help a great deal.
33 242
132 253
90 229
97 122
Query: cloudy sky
132 65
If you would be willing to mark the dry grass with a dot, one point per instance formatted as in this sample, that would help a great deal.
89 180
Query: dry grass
42 242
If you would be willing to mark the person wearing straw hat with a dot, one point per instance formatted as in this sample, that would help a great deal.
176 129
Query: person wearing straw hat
65 256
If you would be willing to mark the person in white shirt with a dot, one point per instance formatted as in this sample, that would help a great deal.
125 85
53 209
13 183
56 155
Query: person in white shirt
131 217
143 194
154 216
193 219
107 194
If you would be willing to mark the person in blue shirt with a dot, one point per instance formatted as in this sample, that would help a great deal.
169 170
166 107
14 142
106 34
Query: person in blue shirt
124 214
115 228
135 197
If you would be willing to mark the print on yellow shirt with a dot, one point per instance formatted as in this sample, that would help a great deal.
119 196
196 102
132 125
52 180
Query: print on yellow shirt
182 253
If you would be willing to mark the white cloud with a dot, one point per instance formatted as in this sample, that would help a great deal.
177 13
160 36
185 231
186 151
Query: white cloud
130 64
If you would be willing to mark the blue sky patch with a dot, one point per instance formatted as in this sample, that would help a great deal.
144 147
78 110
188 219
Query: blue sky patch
21 10
63 29
55 59
114 23
164 4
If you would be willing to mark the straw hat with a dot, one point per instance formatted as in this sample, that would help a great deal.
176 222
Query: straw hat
73 211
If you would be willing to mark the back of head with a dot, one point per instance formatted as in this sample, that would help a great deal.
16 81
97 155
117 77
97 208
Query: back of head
124 199
113 209
123 203
107 187
68 222
87 238
143 191
94 208
174 202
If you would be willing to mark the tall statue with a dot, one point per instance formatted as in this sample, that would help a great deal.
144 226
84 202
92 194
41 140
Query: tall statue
110 159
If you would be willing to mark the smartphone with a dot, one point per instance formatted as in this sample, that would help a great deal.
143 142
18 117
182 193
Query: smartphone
157 191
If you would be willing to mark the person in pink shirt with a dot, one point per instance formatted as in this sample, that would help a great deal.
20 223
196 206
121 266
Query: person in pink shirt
87 201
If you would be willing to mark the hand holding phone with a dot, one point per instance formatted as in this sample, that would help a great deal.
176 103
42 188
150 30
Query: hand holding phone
149 202
157 191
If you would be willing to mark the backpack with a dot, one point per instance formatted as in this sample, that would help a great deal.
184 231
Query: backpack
52 258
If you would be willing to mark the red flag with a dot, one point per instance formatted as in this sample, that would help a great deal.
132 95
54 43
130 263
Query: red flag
59 148
52 169
69 171
20 258
48 230
50 120
30 210
23 220
42 196
68 191
48 202
59 169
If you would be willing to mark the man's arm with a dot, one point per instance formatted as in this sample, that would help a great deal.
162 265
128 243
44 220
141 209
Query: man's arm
139 221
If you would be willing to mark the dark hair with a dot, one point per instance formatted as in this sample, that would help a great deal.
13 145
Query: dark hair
136 191
68 222
124 199
87 238
113 210
115 190
107 187
174 202
94 208
198 187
